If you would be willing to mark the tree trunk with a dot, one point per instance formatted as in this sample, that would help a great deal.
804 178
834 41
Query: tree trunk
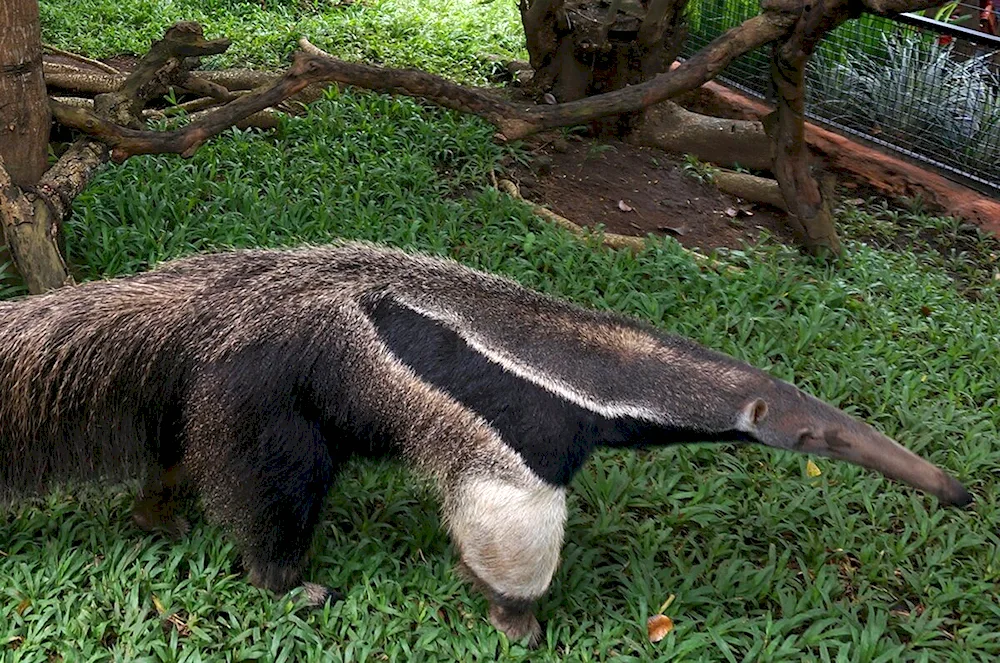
809 212
580 48
24 115
24 140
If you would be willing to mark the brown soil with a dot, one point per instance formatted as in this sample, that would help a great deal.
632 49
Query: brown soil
638 191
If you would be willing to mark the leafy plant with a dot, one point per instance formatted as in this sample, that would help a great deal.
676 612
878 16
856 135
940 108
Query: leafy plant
919 96
9 286
697 169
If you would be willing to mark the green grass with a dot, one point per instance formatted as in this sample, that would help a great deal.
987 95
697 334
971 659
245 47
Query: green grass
447 37
766 563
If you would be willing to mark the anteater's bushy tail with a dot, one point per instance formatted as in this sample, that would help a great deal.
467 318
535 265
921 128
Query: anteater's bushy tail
88 383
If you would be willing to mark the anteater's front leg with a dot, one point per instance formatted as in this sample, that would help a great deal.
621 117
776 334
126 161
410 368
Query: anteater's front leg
509 533
263 471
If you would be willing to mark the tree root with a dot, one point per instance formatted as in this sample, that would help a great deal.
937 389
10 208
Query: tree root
750 187
107 69
670 127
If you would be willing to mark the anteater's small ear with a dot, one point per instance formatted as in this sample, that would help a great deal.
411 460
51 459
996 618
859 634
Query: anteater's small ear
753 413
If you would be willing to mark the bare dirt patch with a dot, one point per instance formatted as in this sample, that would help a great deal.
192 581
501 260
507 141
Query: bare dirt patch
637 191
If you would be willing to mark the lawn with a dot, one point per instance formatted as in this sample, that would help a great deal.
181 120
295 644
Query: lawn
765 562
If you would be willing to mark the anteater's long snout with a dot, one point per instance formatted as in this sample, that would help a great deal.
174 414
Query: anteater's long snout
862 445
797 421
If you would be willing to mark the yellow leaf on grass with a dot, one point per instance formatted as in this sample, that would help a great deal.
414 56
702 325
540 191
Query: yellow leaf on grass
658 626
158 605
812 469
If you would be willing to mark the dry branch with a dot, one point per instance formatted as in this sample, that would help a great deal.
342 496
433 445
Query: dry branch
80 82
127 142
78 102
110 121
240 79
163 66
96 64
750 187
199 85
515 121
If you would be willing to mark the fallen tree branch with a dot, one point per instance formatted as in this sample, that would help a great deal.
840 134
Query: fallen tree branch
126 142
749 187
30 227
161 67
96 64
312 65
240 79
193 106
78 102
58 77
70 174
265 119
204 87
322 66
519 121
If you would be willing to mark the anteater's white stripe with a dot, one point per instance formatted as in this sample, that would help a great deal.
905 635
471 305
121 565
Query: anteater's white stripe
551 384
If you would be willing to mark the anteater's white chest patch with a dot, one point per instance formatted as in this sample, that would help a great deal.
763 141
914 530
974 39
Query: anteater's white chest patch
510 535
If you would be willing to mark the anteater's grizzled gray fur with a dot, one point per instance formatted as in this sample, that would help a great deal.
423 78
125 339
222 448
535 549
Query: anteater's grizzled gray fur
251 377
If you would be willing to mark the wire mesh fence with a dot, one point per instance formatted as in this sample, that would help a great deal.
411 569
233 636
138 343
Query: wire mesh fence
923 88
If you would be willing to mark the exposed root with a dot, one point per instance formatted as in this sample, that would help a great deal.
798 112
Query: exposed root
750 187
106 68
671 128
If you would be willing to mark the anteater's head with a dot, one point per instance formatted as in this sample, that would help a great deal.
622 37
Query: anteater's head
781 416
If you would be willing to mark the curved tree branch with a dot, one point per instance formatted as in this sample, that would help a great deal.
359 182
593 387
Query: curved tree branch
161 67
514 121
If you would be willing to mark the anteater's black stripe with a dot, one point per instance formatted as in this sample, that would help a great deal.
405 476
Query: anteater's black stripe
553 435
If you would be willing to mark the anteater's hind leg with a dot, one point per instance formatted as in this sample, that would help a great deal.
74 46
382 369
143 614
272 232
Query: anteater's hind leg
509 536
167 492
163 501
267 487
